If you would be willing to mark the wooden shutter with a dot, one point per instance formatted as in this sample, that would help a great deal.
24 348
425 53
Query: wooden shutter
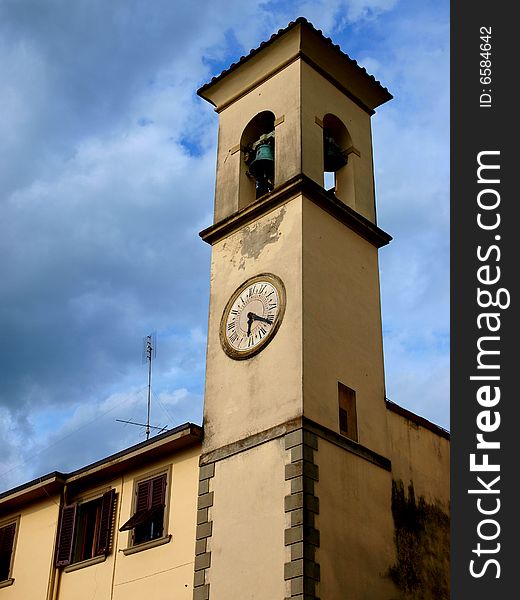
151 495
143 495
66 535
142 505
158 494
105 523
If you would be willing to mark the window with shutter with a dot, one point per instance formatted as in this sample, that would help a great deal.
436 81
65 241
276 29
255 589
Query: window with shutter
7 535
85 530
347 412
147 522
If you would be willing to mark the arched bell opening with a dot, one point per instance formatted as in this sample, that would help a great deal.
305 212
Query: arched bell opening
338 173
257 158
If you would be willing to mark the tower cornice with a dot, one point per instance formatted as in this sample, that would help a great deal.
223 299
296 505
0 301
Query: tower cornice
299 185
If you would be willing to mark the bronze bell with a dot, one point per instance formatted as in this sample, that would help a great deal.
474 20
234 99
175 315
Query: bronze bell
333 158
262 166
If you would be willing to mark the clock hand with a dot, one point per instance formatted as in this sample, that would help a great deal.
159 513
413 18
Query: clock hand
250 317
254 317
264 320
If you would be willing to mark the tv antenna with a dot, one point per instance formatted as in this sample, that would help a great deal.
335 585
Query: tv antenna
149 354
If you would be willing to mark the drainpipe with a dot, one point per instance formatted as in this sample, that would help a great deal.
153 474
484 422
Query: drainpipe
55 573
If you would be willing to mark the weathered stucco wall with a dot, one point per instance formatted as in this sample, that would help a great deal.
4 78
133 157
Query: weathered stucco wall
342 326
355 524
420 508
247 544
420 456
422 540
244 397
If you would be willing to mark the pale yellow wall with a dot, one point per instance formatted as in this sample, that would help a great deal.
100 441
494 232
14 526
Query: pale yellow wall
166 569
421 457
95 581
34 550
278 94
342 326
248 396
356 527
320 97
247 545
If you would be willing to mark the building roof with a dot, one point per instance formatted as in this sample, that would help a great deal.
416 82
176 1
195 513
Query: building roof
382 91
417 419
170 441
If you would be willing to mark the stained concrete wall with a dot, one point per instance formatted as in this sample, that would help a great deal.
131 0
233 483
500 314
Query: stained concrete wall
420 508
421 457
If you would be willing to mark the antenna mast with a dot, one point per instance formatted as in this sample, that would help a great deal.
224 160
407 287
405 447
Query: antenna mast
149 353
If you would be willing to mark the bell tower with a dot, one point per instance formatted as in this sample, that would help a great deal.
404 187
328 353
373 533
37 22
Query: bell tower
293 471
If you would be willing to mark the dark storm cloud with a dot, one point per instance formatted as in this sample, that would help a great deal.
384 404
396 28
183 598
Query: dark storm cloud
88 232
107 175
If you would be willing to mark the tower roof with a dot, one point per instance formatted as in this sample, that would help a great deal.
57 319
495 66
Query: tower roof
300 39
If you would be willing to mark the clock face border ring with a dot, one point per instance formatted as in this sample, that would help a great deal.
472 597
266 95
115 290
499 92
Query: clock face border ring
275 281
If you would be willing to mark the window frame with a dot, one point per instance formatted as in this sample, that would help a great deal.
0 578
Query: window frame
4 523
132 546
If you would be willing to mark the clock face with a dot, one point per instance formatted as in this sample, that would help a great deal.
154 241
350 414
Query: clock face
252 316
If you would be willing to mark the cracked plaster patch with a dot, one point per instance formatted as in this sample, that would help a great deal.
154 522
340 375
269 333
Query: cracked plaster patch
258 235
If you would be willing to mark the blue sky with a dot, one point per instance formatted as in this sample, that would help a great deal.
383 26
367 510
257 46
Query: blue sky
107 176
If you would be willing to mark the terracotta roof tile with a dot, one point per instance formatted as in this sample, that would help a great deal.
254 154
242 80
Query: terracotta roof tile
275 36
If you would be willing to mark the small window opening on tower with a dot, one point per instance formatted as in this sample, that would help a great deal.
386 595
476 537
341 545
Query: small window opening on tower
329 180
347 412
258 152
337 172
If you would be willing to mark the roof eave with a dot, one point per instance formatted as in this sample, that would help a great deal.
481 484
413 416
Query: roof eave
317 50
175 440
